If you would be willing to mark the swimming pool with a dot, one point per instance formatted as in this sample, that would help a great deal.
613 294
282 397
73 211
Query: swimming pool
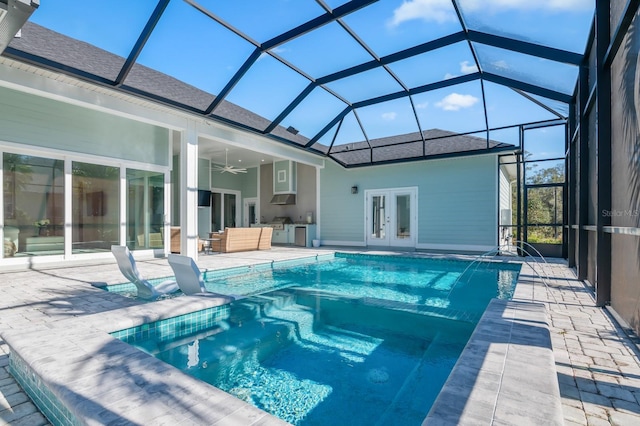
444 285
368 335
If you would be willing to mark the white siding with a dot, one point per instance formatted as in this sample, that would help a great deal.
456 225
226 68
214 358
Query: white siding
36 121
505 191
457 200
505 204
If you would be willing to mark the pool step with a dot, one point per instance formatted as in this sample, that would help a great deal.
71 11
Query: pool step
402 318
258 328
258 306
435 364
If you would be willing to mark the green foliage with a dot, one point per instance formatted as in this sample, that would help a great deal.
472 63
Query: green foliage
544 204
536 236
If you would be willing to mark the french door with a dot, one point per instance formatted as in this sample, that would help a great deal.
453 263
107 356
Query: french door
225 209
391 217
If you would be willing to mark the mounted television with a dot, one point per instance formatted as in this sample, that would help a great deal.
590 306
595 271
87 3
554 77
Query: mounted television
204 198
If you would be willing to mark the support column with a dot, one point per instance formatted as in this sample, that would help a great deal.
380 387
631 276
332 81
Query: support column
583 175
189 191
603 105
570 191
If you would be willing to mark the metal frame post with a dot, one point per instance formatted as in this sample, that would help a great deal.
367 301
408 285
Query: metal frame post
603 164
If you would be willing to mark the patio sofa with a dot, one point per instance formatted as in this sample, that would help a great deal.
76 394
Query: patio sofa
175 240
242 239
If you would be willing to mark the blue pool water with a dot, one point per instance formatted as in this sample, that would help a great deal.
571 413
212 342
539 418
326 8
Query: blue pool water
445 285
360 340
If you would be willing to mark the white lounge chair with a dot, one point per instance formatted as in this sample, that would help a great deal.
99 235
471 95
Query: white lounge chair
146 290
189 277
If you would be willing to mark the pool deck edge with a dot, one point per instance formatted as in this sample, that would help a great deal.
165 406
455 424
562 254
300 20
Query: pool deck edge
78 363
506 373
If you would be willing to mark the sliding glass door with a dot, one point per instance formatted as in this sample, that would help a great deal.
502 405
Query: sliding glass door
53 206
95 206
145 209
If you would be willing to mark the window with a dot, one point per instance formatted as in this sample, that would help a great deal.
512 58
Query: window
33 205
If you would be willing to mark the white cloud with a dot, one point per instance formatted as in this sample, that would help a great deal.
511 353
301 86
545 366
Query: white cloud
456 101
442 11
389 116
467 68
422 105
448 75
439 11
500 64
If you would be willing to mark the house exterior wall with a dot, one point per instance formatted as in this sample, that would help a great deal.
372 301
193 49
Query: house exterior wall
71 121
250 183
457 201
505 191
42 122
505 204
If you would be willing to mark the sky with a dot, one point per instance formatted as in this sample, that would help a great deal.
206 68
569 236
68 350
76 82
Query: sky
190 46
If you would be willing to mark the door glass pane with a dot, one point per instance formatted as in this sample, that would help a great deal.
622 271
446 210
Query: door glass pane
33 205
145 209
216 212
95 205
403 216
378 216
252 214
229 210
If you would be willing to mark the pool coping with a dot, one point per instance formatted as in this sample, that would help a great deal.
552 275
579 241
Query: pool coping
90 365
132 386
506 373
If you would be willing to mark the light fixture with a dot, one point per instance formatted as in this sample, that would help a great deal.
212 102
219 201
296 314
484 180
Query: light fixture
227 168
354 189
293 130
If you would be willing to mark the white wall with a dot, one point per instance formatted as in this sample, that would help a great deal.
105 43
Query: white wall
505 203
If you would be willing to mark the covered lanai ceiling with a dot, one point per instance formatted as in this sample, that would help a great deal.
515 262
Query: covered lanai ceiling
362 82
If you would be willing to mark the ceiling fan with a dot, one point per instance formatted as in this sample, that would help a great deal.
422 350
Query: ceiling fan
227 168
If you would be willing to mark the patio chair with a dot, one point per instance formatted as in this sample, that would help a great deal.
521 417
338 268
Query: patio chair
189 277
146 290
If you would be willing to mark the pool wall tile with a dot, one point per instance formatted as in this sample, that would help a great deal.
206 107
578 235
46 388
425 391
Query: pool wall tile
171 328
39 392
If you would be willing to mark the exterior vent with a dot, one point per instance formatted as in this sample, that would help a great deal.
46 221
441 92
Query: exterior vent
13 15
283 199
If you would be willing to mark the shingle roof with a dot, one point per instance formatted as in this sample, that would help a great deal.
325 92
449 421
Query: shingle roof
436 143
60 52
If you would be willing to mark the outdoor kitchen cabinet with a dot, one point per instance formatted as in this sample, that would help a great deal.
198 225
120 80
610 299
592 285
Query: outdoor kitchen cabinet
309 234
280 236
